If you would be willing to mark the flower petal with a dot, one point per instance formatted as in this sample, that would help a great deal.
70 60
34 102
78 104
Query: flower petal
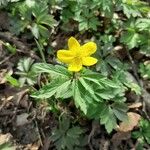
88 49
89 61
65 56
75 66
73 44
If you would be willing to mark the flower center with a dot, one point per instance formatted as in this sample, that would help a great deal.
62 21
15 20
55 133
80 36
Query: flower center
78 58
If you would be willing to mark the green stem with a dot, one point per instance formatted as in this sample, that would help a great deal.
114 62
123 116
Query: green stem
40 50
76 75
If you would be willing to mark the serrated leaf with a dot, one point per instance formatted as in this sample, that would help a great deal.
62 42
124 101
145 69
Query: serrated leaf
7 146
86 85
108 118
46 20
56 134
55 87
67 138
94 77
120 111
130 38
64 124
35 31
75 132
109 83
104 94
51 69
143 24
44 32
131 10
12 80
78 97
70 143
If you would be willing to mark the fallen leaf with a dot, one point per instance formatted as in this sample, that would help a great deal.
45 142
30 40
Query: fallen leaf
135 105
3 73
34 146
22 119
119 137
2 76
4 138
133 120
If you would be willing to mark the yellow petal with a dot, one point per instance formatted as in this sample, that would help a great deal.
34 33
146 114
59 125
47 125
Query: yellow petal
73 44
75 66
89 61
88 49
65 56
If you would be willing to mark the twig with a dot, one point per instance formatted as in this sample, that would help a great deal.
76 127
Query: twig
94 127
7 58
106 145
21 47
145 94
134 68
12 39
21 95
146 98
10 113
46 144
29 53
38 132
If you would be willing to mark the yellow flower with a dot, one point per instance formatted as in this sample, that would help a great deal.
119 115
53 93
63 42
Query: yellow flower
77 55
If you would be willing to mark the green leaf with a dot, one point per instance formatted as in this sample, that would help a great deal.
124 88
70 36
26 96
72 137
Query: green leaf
83 26
44 32
103 67
64 124
75 132
107 118
7 146
35 30
25 72
46 20
143 24
109 83
143 133
94 77
106 94
56 70
57 86
78 96
87 85
25 64
67 138
12 80
30 3
107 7
93 23
55 135
10 48
120 111
145 70
145 126
131 10
130 38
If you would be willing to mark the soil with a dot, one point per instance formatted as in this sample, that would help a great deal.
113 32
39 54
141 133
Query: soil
28 125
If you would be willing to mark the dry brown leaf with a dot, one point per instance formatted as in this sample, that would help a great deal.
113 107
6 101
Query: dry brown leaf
3 72
119 137
33 146
2 75
135 105
133 120
4 138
